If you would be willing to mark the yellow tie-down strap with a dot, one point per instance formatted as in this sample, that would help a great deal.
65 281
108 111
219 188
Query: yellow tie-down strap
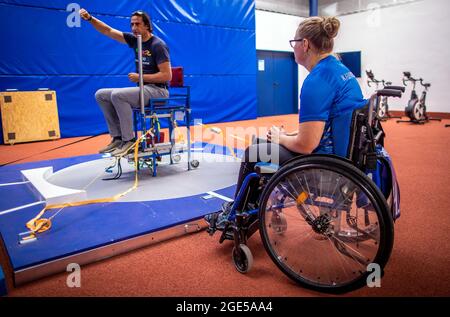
39 224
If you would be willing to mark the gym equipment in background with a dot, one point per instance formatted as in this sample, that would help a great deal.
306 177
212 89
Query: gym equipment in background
416 109
382 108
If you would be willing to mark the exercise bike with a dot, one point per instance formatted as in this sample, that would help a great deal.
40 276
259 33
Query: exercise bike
382 109
416 109
323 219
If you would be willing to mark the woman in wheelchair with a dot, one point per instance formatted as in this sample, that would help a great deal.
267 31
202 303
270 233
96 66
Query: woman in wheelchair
329 91
322 219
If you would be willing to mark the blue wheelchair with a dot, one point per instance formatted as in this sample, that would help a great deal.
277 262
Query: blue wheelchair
323 219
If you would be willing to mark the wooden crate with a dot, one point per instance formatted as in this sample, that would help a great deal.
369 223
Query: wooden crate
29 116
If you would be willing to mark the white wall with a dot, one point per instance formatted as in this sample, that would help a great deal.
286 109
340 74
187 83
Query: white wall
411 37
273 32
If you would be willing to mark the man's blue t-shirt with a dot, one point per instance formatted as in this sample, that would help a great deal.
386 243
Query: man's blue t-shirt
330 93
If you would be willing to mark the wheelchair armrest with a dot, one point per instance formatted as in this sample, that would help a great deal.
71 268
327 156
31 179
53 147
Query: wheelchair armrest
266 168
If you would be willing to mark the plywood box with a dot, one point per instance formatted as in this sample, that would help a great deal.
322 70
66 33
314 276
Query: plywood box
29 116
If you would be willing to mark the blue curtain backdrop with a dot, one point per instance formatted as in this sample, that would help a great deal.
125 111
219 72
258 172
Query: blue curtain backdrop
214 40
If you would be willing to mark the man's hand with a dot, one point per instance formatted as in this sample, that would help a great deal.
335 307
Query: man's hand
134 77
85 15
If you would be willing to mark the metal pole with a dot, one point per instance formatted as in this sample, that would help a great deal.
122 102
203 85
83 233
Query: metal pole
313 8
141 75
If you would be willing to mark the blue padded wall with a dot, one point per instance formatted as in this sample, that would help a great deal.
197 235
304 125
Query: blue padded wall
214 40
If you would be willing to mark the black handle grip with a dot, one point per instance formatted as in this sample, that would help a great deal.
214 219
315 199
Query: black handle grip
402 89
389 93
407 74
426 84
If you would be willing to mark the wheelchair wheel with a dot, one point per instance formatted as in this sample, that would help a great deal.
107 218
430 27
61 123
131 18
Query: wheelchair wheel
176 158
337 223
242 258
195 163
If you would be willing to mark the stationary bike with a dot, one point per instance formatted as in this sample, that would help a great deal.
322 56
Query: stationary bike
382 108
416 109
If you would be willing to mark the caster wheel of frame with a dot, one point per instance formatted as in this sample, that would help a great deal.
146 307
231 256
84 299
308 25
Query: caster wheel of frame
195 163
176 158
242 258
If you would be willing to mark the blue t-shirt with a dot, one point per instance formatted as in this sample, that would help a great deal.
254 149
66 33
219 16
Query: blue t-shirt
330 93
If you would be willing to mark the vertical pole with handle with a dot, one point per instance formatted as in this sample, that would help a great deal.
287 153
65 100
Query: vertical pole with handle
141 84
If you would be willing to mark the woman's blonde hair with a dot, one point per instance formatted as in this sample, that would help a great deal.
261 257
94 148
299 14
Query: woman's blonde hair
320 31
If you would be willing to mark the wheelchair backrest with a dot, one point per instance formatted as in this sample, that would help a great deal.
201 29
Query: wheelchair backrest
177 77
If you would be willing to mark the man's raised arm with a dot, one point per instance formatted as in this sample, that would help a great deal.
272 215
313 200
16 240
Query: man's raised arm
102 27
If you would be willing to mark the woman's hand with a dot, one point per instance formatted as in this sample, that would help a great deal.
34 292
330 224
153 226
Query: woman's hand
274 133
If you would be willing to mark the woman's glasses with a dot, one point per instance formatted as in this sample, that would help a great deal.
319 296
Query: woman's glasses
292 42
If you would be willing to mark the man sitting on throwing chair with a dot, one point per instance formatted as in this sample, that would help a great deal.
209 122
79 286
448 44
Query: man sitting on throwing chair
117 103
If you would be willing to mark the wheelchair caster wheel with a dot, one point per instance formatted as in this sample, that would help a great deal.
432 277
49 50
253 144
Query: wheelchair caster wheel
242 258
176 158
279 223
195 163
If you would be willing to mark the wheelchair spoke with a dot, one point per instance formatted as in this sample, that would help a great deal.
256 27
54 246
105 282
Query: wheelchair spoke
359 258
293 197
339 257
336 186
309 212
292 186
345 199
298 220
299 241
320 190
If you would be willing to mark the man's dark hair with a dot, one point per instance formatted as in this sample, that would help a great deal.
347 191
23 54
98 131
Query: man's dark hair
145 18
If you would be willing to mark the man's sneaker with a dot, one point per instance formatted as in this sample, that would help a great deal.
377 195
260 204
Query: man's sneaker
111 146
123 149
218 219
